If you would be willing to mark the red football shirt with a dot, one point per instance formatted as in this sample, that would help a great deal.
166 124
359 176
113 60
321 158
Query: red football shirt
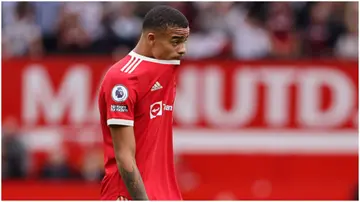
139 91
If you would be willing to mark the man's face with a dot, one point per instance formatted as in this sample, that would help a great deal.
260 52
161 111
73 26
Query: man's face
170 44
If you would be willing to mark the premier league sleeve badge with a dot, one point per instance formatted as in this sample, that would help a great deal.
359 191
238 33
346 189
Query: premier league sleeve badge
119 93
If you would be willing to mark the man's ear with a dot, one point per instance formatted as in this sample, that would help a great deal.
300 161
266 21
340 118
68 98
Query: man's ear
150 38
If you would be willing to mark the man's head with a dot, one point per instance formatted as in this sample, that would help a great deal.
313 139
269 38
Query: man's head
165 31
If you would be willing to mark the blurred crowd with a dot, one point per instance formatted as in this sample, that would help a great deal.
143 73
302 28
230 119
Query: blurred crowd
241 30
19 163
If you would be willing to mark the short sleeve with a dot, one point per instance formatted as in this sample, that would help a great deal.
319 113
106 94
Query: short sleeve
120 98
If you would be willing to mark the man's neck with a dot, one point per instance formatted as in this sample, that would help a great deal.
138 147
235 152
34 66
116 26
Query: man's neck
141 49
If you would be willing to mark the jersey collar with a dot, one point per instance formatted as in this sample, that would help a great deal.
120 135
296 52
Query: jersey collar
166 62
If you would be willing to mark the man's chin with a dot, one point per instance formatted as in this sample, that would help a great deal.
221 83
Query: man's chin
177 58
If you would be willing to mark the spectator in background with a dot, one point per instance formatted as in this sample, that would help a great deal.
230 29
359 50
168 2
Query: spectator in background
126 25
188 9
23 36
72 38
347 44
89 14
56 166
212 15
317 35
47 18
251 39
14 153
280 24
80 26
211 35
122 28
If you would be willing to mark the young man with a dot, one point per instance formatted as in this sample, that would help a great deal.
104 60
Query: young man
136 103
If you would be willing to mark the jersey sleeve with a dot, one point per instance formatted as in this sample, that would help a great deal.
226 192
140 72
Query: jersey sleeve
120 98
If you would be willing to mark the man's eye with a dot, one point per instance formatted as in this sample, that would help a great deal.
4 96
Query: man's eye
175 43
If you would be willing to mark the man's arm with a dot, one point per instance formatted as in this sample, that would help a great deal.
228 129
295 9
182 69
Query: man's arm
124 146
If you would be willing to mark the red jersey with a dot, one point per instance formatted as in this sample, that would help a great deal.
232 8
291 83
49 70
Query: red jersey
139 91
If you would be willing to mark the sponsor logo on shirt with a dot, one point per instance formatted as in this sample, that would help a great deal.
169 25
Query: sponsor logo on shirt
157 108
119 108
156 86
167 107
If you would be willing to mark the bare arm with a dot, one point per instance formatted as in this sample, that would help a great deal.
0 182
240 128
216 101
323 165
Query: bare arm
124 146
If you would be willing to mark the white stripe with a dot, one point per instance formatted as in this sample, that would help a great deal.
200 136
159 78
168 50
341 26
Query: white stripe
120 122
220 142
285 142
127 64
131 65
134 67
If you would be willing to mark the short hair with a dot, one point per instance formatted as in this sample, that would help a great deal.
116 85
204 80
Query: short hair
162 17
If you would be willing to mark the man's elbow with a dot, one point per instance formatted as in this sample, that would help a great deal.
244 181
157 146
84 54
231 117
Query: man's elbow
125 160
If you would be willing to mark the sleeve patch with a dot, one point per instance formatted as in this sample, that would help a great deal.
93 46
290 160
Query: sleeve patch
119 93
119 108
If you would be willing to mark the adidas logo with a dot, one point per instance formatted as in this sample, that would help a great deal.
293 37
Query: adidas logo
156 86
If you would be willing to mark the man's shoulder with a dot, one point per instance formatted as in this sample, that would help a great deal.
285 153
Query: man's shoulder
121 68
131 66
116 76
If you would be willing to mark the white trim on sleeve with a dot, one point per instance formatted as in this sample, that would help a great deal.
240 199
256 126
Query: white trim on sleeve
120 122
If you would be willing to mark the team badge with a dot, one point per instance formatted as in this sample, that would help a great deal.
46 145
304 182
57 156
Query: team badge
119 93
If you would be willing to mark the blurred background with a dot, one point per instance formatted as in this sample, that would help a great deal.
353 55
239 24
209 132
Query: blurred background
267 102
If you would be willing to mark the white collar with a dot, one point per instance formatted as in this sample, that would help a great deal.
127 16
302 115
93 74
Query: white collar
166 62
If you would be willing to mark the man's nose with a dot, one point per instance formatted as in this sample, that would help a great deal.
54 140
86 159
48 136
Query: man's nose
182 49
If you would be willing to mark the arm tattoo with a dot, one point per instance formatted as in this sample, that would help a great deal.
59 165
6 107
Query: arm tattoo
133 182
